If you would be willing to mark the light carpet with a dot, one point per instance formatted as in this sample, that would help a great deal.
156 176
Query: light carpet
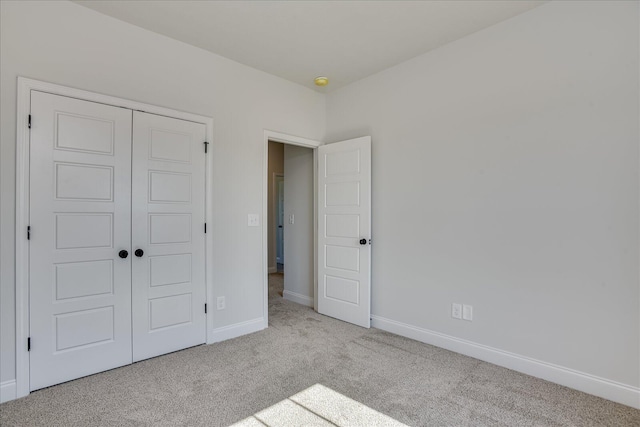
220 384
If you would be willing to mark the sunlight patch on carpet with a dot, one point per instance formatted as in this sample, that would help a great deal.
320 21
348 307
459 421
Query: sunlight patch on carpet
318 406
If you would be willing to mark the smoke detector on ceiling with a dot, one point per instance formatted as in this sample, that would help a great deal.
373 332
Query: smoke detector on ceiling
321 81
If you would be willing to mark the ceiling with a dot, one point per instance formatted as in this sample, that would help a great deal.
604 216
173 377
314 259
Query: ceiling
299 40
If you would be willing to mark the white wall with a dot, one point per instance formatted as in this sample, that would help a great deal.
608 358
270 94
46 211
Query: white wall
298 237
505 175
64 43
275 165
505 169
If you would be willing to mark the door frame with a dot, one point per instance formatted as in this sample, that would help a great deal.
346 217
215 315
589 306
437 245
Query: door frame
301 142
25 86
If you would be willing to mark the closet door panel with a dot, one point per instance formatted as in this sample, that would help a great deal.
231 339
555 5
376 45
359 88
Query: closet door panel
168 230
80 219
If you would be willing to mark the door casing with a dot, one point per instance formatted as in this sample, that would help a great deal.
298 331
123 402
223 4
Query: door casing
25 86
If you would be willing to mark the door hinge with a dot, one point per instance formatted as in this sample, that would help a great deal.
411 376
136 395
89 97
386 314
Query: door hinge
28 232
205 308
206 146
29 344
29 124
205 228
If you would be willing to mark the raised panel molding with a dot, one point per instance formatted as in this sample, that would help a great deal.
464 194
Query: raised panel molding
342 163
84 231
169 228
170 311
72 329
88 182
342 225
85 134
169 146
70 279
169 269
342 258
340 289
169 187
342 194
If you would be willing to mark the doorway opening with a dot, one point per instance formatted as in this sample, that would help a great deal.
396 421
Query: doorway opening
292 165
290 222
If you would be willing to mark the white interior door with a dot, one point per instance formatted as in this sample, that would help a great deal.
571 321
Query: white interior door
168 241
80 219
344 230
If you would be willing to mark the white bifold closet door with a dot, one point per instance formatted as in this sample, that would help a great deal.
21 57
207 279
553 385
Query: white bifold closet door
168 228
117 243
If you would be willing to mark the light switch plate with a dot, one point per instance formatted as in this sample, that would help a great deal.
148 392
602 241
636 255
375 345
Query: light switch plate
467 312
253 220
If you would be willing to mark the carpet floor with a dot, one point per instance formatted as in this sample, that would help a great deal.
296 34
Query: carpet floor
318 406
219 384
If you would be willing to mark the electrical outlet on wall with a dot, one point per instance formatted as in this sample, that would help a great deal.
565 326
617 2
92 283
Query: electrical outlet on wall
221 303
456 311
467 312
253 220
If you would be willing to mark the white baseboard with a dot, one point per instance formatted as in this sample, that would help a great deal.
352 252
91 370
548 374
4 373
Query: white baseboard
236 330
7 391
273 270
299 298
612 390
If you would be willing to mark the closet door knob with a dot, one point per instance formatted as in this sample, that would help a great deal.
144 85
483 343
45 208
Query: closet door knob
139 252
123 254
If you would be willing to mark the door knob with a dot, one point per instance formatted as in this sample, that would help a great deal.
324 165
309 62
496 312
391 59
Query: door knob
363 241
123 254
139 252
